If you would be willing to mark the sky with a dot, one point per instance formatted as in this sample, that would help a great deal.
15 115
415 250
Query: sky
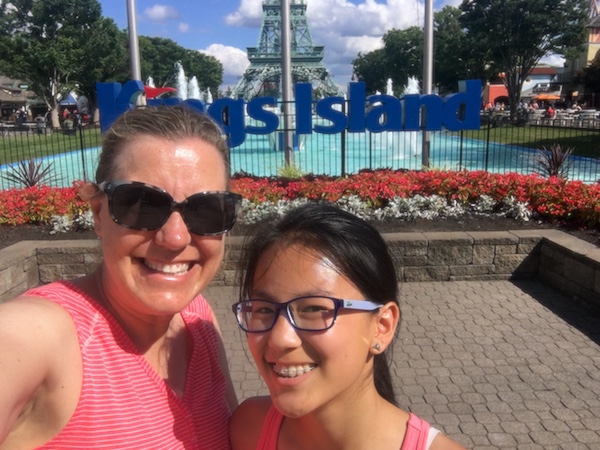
225 28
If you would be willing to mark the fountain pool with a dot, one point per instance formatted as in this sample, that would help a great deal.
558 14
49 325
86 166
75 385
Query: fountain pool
336 154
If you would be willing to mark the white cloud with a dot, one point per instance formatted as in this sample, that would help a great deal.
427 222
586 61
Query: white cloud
161 13
553 60
233 59
249 14
184 27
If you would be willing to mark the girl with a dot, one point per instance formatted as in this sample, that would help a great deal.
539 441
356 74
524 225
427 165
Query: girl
320 308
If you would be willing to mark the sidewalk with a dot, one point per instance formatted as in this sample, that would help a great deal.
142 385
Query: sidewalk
493 364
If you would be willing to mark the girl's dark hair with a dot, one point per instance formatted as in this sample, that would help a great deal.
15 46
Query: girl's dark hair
167 122
355 247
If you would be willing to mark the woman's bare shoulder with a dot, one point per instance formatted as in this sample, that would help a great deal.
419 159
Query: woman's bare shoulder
247 422
35 310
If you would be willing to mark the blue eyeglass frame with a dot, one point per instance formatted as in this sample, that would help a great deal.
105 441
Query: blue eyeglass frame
339 303
109 187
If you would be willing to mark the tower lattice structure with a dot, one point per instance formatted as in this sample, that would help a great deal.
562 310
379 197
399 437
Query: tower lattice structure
594 9
263 76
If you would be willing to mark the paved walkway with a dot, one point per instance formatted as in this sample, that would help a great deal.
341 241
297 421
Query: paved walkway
492 364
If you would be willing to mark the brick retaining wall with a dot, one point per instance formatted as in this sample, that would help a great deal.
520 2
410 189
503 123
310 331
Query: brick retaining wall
568 264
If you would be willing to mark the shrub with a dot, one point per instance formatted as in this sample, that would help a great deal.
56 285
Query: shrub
29 173
554 162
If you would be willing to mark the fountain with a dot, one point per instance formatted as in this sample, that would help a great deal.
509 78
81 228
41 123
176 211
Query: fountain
150 82
405 143
189 89
412 87
182 83
209 97
412 137
194 89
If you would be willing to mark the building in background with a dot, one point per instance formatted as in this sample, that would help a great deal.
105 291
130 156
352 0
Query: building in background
14 97
590 50
543 79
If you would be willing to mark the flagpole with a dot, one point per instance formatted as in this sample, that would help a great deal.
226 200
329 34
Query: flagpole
427 75
134 49
286 81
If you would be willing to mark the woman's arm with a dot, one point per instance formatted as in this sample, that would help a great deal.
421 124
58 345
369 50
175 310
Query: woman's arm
35 339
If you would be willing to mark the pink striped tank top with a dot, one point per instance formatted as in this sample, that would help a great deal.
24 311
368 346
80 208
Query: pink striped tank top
417 432
124 404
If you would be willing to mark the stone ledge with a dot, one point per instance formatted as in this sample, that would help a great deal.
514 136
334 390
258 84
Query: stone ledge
568 264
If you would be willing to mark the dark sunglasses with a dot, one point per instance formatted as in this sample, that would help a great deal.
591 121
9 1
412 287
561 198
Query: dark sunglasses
141 206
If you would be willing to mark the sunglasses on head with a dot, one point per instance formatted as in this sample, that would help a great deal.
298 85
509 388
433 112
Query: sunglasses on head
141 206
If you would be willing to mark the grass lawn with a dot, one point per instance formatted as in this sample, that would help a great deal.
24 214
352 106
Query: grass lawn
20 146
586 142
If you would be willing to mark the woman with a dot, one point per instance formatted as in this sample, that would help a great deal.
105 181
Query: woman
130 356
320 308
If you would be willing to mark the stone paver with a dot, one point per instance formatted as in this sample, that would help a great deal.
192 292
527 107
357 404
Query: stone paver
494 364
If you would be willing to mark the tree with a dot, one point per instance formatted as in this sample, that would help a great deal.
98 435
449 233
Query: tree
157 59
53 44
105 64
371 68
207 69
521 32
399 59
456 56
404 55
159 55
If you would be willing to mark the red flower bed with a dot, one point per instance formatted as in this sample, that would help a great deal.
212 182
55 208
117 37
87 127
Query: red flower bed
39 204
554 199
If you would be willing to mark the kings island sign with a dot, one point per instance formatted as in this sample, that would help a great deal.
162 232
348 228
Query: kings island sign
375 113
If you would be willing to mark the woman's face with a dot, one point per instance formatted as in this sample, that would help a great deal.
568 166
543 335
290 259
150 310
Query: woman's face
332 367
159 272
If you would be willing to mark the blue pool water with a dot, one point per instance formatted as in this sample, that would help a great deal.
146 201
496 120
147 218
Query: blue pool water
337 154
64 168
327 154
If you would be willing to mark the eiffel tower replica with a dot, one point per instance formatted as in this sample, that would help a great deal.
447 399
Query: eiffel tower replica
263 76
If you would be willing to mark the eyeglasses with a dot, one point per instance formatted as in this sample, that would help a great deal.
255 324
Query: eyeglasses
141 206
303 313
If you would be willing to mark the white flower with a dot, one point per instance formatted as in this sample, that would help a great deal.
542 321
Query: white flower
397 208
61 224
516 209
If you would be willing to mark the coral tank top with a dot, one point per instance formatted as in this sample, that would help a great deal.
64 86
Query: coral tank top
124 404
416 437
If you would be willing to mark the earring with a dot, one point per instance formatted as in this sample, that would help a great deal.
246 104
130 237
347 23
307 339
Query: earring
377 347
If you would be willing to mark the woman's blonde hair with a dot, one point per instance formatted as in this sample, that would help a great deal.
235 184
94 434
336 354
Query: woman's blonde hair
167 122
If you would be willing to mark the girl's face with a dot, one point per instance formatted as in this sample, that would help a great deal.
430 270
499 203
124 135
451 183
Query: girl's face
332 367
154 273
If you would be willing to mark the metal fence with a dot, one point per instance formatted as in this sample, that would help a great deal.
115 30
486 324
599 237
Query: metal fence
498 146
64 155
